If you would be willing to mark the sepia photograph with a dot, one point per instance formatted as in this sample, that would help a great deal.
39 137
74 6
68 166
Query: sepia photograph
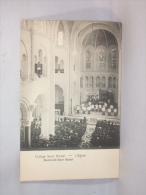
70 78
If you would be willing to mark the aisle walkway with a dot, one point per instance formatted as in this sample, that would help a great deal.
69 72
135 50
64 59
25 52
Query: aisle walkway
85 143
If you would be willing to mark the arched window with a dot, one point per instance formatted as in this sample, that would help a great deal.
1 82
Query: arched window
101 55
45 67
110 82
97 81
88 58
56 65
39 66
81 82
24 68
60 36
91 82
114 82
24 57
86 82
113 58
40 56
103 81
62 66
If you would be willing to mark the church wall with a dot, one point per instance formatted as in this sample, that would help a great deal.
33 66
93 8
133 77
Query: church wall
26 40
36 86
63 79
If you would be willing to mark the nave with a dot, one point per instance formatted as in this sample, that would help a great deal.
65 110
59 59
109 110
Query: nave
76 133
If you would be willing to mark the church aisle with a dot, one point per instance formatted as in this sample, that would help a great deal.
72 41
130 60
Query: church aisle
86 139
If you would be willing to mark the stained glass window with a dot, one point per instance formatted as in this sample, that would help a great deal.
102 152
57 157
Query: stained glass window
98 81
86 82
101 55
88 58
114 82
110 82
91 82
103 81
113 58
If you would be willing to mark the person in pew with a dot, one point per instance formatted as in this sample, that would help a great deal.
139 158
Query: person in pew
111 107
115 112
84 120
82 105
78 109
109 112
92 107
96 107
108 101
84 109
100 107
103 110
105 104
89 109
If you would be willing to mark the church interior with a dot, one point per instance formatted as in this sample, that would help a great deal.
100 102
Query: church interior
70 84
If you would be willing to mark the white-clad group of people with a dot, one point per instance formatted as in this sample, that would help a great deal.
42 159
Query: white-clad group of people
97 108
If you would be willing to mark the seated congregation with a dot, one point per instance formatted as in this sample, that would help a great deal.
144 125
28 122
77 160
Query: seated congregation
68 134
106 134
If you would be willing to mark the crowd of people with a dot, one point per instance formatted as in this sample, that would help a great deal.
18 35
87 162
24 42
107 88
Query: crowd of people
103 108
68 134
106 134
102 102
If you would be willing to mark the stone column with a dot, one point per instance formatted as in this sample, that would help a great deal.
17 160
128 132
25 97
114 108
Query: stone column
71 83
51 123
45 121
27 133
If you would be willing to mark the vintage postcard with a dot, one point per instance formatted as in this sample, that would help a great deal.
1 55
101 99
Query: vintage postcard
70 79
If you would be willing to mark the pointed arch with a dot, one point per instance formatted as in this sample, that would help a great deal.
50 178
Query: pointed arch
60 35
